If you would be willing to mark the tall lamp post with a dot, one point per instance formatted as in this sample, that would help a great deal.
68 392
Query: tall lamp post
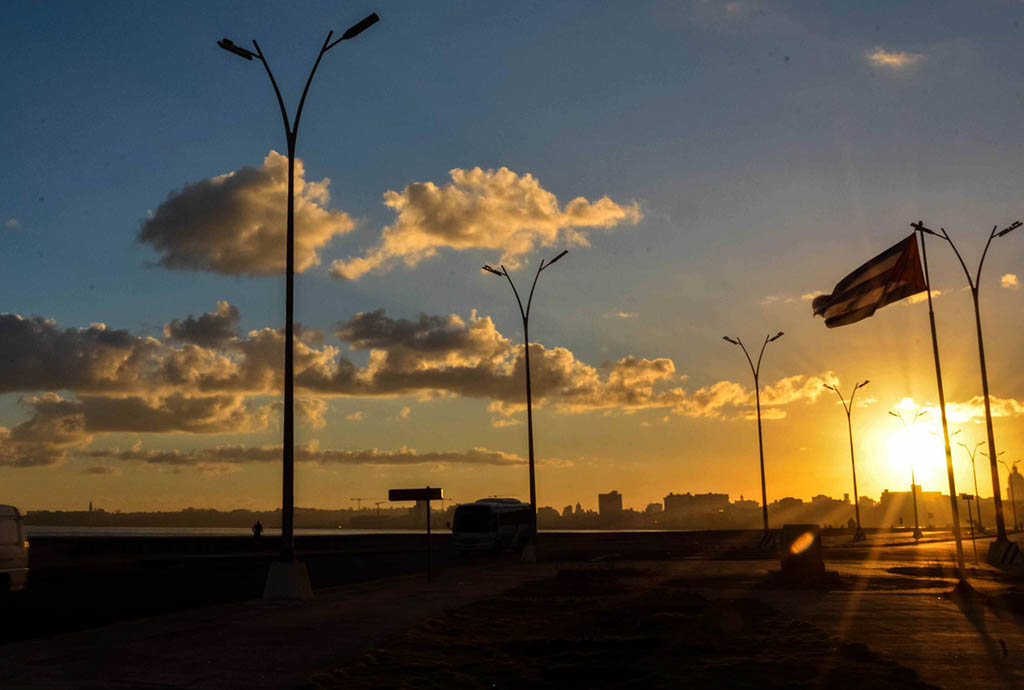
972 452
974 283
756 371
848 407
288 578
1013 498
530 550
913 482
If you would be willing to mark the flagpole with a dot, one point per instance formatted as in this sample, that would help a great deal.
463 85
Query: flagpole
919 227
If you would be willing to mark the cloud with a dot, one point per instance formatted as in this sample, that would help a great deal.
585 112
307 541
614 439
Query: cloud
972 410
119 382
405 412
1009 281
310 452
620 315
12 223
101 470
899 60
234 223
356 416
44 439
923 296
497 210
811 295
212 329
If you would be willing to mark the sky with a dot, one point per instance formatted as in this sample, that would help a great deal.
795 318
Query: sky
710 166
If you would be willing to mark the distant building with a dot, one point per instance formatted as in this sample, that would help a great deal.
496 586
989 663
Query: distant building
567 511
654 508
696 503
609 504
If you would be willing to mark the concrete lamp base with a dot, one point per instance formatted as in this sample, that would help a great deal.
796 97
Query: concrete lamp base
288 580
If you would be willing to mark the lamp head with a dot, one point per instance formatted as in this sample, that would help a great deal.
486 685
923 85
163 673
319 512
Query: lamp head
894 414
729 340
564 252
1007 230
360 27
776 336
493 270
229 45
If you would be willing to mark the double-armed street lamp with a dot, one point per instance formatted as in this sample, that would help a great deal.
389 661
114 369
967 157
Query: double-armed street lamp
848 407
530 550
913 482
291 128
756 371
974 282
1009 480
972 452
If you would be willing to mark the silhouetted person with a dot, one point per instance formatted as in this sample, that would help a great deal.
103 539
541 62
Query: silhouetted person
257 529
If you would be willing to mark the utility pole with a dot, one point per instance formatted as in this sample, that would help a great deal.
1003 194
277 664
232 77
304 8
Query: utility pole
288 578
848 408
756 371
975 283
530 550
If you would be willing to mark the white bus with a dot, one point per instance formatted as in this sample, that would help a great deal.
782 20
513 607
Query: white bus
491 524
13 551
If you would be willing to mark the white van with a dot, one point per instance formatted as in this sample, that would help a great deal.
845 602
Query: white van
13 551
491 524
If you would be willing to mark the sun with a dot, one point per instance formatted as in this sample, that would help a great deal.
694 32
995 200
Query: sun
913 446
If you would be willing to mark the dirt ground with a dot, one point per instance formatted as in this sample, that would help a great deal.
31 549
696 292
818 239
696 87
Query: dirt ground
617 627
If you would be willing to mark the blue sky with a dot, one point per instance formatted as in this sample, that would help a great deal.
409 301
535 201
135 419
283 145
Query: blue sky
770 147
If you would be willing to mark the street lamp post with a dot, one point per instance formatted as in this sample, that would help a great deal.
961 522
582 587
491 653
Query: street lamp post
974 283
1009 481
859 534
913 482
290 579
756 371
530 550
971 453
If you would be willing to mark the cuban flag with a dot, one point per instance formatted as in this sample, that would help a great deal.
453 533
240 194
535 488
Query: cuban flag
893 275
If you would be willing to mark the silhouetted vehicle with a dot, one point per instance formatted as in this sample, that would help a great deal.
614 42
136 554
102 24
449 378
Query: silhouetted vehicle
13 551
491 524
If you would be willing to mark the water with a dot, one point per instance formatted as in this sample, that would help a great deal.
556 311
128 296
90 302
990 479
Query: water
93 531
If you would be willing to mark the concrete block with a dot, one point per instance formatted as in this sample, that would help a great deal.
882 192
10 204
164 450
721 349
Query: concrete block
288 580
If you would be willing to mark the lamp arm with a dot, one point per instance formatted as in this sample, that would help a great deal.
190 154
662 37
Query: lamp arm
977 278
963 265
309 80
277 91
522 313
533 287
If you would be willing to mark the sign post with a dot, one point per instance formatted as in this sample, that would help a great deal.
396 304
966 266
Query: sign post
426 494
970 519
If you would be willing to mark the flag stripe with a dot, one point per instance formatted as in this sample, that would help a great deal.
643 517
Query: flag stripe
893 275
880 264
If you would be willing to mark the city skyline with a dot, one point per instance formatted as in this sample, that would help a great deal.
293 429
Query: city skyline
672 148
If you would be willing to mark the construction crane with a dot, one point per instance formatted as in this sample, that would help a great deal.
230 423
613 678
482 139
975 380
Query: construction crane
359 501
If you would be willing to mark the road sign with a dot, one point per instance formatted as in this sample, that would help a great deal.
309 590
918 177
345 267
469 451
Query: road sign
425 494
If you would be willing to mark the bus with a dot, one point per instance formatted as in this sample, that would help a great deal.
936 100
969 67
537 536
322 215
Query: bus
13 551
491 524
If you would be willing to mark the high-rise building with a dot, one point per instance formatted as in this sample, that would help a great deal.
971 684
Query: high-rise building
609 504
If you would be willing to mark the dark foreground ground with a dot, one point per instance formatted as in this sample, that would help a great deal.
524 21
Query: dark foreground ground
616 628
